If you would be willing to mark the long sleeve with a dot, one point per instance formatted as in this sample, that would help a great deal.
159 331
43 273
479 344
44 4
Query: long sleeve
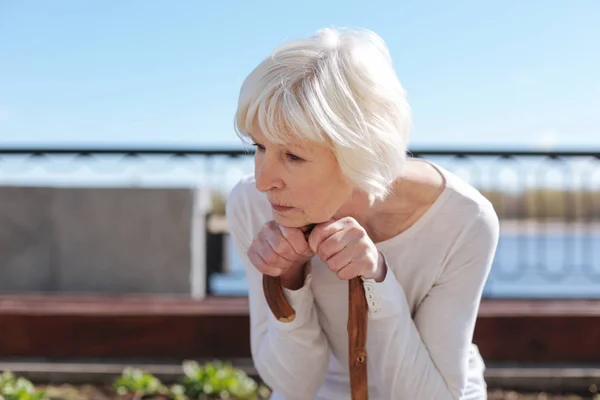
292 358
426 357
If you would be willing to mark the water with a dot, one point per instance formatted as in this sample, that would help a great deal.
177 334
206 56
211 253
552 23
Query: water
526 266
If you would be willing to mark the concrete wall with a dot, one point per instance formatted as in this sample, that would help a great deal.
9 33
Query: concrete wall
102 240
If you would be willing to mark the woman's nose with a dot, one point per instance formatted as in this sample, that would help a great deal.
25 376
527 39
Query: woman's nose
267 175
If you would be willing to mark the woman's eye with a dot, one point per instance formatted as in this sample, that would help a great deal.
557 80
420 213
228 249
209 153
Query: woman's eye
294 158
291 157
259 147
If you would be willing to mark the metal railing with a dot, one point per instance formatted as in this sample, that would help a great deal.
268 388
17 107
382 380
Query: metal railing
548 203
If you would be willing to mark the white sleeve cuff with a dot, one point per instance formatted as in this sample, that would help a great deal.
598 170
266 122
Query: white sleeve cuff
384 298
302 301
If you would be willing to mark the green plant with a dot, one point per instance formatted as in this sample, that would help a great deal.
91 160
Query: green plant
219 380
139 383
18 388
214 380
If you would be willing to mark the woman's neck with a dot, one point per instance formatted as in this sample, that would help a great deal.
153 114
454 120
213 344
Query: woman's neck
410 197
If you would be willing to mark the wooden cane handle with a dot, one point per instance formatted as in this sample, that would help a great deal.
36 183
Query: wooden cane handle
276 299
273 291
358 310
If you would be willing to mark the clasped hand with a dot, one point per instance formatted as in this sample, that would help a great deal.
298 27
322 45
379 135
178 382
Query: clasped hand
342 244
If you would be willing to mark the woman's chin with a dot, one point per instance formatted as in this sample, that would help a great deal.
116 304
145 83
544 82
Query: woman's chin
290 222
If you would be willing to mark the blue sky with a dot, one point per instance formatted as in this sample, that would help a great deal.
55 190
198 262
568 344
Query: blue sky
518 74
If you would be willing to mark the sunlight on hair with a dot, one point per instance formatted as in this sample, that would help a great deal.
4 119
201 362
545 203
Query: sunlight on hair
337 87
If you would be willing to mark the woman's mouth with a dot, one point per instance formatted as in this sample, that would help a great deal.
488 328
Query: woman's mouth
281 209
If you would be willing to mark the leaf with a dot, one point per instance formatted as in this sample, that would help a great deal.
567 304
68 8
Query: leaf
221 380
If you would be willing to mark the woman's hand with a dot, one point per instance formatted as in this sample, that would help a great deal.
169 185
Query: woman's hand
281 251
347 250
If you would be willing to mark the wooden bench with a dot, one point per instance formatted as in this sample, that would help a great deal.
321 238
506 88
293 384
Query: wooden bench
173 328
145 327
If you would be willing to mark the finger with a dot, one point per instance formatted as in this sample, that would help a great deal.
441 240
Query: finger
332 245
321 232
260 264
279 244
296 239
348 272
271 258
339 261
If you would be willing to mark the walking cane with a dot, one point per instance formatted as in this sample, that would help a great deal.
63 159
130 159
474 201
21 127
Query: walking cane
356 326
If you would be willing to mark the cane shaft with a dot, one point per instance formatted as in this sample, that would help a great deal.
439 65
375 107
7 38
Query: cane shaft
357 339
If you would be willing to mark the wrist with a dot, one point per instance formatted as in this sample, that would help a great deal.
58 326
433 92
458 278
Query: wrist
381 268
380 271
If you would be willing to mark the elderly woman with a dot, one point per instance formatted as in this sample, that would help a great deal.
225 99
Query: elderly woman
330 123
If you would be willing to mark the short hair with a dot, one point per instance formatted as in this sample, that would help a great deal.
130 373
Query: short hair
338 87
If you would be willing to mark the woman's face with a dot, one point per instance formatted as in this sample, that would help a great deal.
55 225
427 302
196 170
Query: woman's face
302 181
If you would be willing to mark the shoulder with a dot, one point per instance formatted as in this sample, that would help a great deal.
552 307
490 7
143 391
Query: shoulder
465 204
242 193
475 221
246 210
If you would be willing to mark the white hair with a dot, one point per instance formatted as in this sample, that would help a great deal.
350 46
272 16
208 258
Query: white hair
337 87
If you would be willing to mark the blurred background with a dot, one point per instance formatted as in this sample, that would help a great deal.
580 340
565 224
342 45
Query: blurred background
117 152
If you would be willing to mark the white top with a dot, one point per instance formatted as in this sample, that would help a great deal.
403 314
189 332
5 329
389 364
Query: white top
421 317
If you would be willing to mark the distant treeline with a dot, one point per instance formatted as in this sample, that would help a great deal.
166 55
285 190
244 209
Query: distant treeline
530 204
546 203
